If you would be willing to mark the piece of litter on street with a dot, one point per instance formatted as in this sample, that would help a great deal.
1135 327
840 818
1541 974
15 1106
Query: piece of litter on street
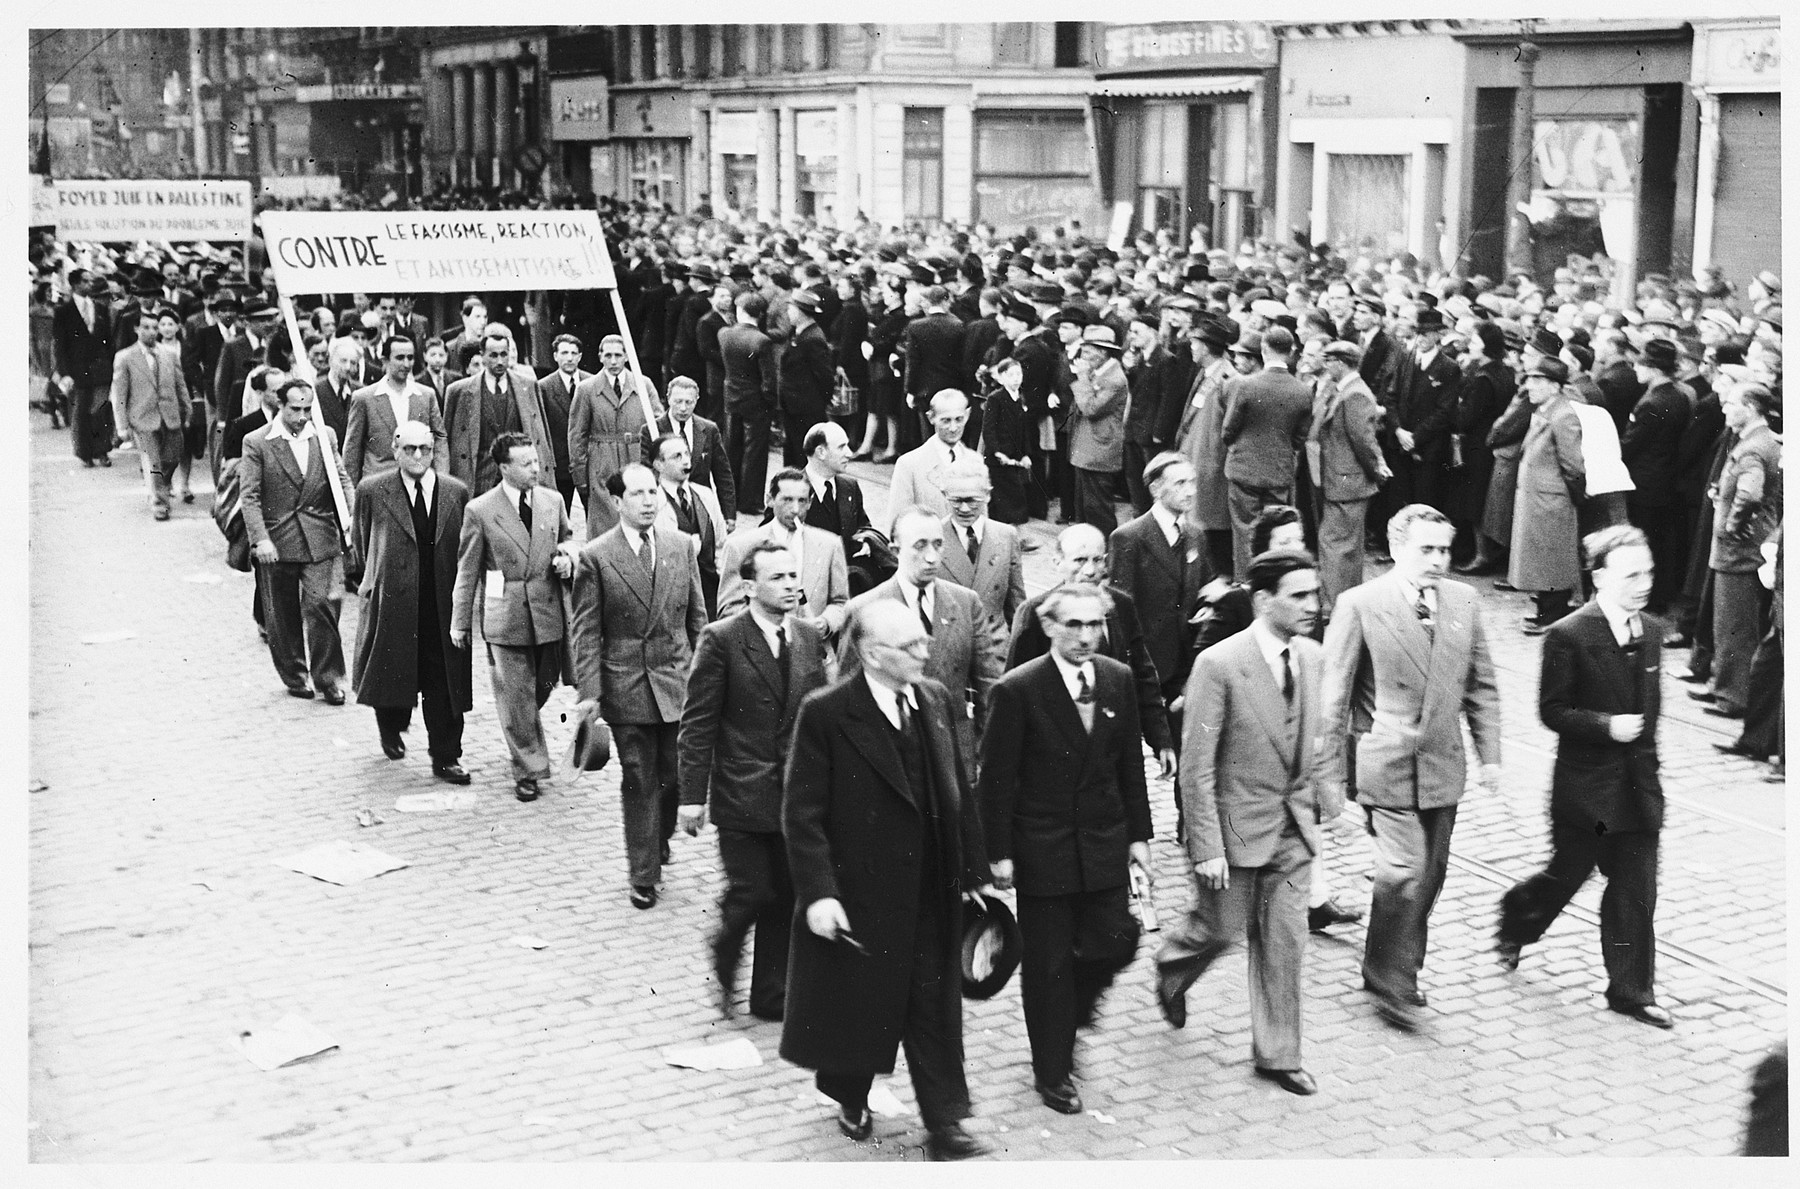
206 579
525 941
341 862
284 1042
1102 1116
1044 1134
109 637
202 883
38 786
882 1101
338 741
434 802
366 817
737 1053
541 1121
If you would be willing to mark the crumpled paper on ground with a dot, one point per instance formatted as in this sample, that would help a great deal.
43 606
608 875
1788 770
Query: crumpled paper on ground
283 1042
737 1053
342 862
434 802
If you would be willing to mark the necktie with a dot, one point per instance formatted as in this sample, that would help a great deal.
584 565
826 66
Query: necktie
782 658
831 496
646 552
687 507
1423 610
1634 630
924 615
1084 698
525 512
952 450
974 545
904 707
155 370
419 501
1287 676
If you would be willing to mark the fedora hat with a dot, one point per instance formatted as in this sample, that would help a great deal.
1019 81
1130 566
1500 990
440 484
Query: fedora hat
991 947
259 307
1428 318
703 272
1661 355
1220 332
1102 336
806 299
1550 368
589 748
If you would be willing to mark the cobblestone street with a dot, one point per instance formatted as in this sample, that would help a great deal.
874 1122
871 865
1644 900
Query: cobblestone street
171 770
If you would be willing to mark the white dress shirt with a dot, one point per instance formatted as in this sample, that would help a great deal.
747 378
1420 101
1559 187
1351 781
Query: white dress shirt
914 596
1272 648
300 443
515 496
888 700
399 400
1072 675
1171 527
1412 594
768 627
428 481
1621 622
794 542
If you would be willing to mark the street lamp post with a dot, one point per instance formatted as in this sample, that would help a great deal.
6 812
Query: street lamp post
1518 224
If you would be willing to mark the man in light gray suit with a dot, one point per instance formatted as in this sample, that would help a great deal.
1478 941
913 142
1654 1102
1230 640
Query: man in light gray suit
638 611
968 646
819 555
919 473
1251 817
980 553
383 407
1405 662
511 550
291 517
1343 459
150 402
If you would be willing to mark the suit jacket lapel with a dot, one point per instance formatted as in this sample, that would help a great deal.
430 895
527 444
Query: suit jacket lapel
755 647
509 519
873 735
394 498
285 452
626 562
1403 620
1264 695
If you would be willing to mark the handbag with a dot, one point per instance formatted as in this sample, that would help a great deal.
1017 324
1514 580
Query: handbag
844 397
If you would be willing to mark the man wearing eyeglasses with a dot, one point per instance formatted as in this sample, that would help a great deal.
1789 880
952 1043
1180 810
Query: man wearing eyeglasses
408 524
378 411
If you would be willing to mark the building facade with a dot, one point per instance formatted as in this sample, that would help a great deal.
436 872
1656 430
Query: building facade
484 108
1736 82
110 103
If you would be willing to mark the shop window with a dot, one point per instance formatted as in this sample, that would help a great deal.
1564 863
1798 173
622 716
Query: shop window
622 60
1012 43
1366 206
1031 169
740 183
922 163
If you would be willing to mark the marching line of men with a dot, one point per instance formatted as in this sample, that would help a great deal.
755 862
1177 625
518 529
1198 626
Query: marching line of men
874 763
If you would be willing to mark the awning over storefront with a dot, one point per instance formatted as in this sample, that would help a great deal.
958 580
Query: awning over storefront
1168 88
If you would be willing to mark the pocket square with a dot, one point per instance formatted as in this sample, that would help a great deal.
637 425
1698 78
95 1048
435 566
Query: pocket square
1108 713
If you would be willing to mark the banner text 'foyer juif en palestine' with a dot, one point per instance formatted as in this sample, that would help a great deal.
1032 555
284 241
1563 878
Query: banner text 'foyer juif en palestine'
152 209
435 251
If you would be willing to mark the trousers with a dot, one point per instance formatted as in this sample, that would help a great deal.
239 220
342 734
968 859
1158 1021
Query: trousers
1093 502
650 794
300 612
1627 908
759 894
1412 854
524 677
1266 907
1245 502
748 444
443 721
1074 946
1342 548
160 453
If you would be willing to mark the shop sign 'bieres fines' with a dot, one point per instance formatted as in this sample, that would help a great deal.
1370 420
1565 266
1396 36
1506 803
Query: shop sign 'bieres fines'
435 251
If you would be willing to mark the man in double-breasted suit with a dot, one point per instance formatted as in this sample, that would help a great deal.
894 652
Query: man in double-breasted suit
150 402
493 399
1250 812
1406 661
607 420
1343 458
1266 418
706 446
967 645
508 562
291 517
1600 691
751 671
883 832
558 390
819 555
638 611
1065 811
82 333
979 553
381 408
1156 559
408 524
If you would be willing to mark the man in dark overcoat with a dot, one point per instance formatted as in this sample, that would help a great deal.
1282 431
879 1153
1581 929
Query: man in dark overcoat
884 839
407 524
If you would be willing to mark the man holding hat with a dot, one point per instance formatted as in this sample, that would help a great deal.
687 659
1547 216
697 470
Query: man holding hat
1097 427
1546 551
1343 460
1066 815
1421 401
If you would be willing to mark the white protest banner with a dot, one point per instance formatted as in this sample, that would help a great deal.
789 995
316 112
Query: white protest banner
43 202
435 251
152 208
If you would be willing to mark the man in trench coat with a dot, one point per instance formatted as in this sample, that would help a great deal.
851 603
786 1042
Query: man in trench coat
407 526
1546 548
883 837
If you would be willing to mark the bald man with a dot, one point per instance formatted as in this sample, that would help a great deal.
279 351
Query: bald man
919 474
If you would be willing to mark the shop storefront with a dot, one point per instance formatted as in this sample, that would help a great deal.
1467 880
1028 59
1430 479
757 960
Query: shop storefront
1737 198
1180 126
1032 169
579 124
737 150
648 156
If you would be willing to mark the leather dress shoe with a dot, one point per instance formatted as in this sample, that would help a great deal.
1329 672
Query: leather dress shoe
1703 695
1777 774
1061 1097
1721 710
187 497
393 746
334 695
770 1015
1396 1011
951 1142
1507 954
450 773
1737 749
1321 917
643 896
526 788
301 691
1172 1002
1413 998
1294 1081
856 1129
160 514
1649 1013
